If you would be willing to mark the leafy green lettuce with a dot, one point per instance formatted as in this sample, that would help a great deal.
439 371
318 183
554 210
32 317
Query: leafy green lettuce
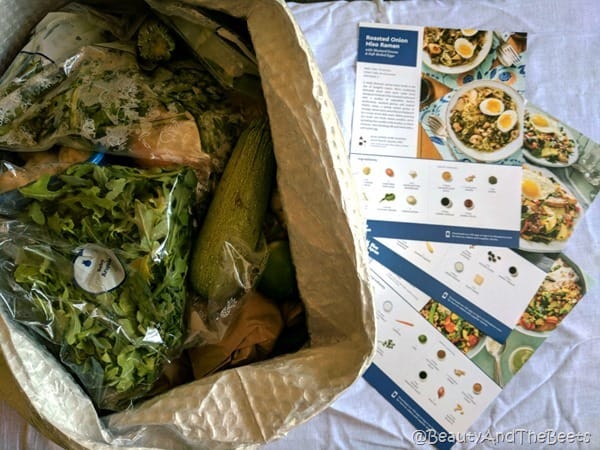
115 342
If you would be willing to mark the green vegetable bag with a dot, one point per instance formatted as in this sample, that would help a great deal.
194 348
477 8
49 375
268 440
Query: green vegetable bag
96 264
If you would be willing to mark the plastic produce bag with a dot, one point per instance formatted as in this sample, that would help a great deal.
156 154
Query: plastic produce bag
228 58
19 170
79 82
96 262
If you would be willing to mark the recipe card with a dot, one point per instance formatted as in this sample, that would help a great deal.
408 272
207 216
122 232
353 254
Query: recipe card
455 322
454 165
437 133
441 371
487 286
419 371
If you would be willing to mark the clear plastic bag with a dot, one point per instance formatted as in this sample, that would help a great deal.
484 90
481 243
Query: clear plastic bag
95 262
79 82
17 170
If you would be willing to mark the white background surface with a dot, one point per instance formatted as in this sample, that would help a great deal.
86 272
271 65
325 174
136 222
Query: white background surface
558 388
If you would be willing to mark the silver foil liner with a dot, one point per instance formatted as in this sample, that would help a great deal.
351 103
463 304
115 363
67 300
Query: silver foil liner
250 405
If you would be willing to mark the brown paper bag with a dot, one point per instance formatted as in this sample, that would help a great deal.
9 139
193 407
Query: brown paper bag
250 337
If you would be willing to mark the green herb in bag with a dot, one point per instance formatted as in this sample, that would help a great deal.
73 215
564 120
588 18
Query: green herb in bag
96 263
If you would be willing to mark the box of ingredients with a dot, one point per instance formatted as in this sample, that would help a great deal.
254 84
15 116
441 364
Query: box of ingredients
193 274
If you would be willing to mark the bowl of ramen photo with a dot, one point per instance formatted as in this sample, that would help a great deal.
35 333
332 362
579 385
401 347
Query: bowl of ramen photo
484 119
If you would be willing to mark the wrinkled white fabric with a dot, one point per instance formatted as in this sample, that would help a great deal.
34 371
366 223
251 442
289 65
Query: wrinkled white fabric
557 389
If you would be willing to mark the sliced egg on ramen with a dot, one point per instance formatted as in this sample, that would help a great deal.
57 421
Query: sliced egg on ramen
542 123
535 186
491 106
464 48
507 120
468 31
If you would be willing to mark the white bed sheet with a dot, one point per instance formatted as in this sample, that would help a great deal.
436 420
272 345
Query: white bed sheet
558 389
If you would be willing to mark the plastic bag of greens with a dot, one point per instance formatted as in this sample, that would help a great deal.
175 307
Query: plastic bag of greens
95 262
218 40
60 35
98 100
81 81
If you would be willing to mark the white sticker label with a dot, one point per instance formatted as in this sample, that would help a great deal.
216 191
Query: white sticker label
97 269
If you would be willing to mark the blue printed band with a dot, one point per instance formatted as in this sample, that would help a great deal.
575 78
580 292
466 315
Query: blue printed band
406 405
485 322
388 46
443 233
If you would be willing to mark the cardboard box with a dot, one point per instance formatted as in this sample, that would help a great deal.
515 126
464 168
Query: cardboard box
262 401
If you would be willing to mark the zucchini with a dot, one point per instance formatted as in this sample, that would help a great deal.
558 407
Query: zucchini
236 213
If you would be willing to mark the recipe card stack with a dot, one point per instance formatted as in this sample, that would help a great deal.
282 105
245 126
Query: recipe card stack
470 193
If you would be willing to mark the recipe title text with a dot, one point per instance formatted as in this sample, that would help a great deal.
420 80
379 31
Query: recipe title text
384 41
